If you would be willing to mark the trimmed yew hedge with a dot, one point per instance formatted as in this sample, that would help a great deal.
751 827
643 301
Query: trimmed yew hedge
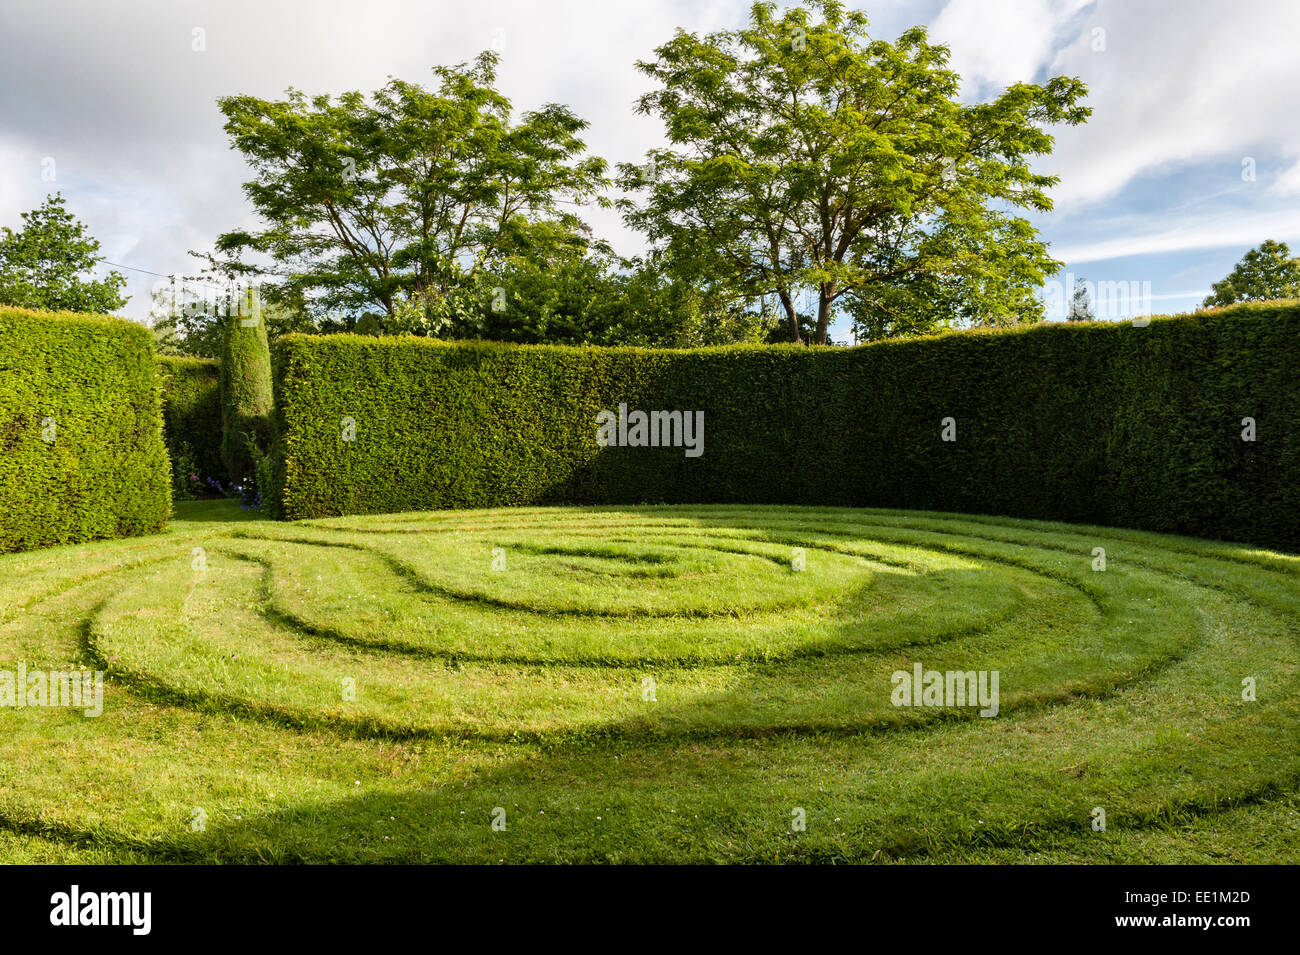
81 444
245 390
1100 423
191 389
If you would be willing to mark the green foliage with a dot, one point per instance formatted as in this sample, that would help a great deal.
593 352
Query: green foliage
245 389
806 156
368 324
601 300
263 474
188 315
41 265
81 443
1101 423
573 298
191 390
406 193
1263 274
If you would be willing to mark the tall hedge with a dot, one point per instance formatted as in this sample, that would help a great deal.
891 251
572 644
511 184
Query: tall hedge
245 388
81 444
191 390
1100 423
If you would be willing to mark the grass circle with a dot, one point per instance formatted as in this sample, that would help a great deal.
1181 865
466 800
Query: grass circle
668 665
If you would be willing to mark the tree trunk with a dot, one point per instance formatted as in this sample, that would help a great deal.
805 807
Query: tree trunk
823 315
791 315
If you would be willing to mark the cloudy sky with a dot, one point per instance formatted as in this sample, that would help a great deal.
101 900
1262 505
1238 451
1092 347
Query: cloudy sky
1191 157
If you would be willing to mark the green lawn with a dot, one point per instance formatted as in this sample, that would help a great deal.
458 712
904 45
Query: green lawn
525 687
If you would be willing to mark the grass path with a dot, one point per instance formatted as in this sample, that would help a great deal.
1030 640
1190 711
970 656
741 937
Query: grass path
651 684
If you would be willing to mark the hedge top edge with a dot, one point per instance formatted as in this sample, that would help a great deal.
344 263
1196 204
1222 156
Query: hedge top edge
1243 311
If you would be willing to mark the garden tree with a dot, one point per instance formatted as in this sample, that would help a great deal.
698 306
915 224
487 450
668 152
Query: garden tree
1081 304
401 198
571 297
805 156
572 300
368 324
656 308
924 303
720 323
42 265
601 299
781 332
1267 272
245 387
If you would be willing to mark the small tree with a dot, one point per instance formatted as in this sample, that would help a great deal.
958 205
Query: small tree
42 264
1081 304
245 388
1267 272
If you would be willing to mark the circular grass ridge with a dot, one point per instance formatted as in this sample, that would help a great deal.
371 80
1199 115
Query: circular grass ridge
373 687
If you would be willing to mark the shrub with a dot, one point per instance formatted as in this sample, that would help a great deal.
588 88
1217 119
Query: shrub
191 391
81 445
245 389
1100 423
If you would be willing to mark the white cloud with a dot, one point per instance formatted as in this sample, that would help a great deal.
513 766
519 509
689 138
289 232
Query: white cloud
127 109
997 44
13 155
1288 181
1174 84
125 105
1232 228
1195 82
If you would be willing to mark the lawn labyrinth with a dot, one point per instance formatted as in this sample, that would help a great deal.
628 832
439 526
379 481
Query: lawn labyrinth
656 683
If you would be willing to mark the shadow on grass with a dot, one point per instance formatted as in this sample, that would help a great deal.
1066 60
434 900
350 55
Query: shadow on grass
626 793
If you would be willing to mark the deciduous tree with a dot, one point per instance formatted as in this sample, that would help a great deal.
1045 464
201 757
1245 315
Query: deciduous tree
1266 272
45 264
803 155
406 195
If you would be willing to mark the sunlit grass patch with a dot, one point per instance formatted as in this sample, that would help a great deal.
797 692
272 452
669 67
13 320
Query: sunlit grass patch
660 683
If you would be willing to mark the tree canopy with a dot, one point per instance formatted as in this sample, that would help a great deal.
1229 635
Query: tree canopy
805 156
810 171
44 264
407 195
1266 272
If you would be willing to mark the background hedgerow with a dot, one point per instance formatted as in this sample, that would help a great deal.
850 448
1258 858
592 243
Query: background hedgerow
81 443
191 391
1087 422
